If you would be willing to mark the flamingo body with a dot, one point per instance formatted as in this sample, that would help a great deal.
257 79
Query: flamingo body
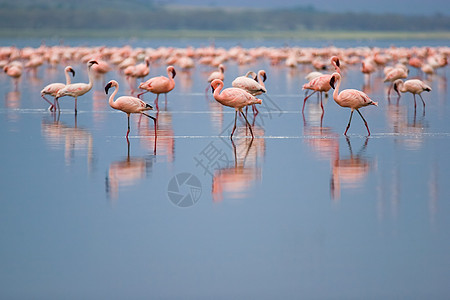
351 98
127 104
160 84
413 86
234 97
53 88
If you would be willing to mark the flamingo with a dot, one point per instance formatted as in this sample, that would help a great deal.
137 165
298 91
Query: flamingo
321 83
138 71
413 86
159 85
128 104
254 85
14 70
234 97
392 74
53 88
351 98
77 89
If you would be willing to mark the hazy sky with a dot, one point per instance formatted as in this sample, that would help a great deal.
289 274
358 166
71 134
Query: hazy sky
417 7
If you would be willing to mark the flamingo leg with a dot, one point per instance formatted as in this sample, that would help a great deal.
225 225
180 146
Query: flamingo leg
306 98
249 126
75 105
423 102
255 110
139 95
156 102
52 105
57 103
234 127
321 104
156 135
414 95
128 131
365 122
349 121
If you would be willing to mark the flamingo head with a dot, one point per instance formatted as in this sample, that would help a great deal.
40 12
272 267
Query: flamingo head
264 75
109 85
332 81
172 70
72 71
215 83
91 63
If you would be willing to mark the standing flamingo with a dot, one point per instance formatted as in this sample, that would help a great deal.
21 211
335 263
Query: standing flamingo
14 70
138 71
77 89
53 88
392 74
351 98
413 86
128 104
321 83
159 85
254 85
219 74
234 97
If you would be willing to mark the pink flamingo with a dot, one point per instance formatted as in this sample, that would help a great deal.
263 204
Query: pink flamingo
234 97
413 86
159 85
321 83
14 70
77 89
138 71
392 74
128 104
219 74
253 85
53 88
351 98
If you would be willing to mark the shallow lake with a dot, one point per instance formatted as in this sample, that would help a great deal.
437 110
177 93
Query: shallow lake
301 211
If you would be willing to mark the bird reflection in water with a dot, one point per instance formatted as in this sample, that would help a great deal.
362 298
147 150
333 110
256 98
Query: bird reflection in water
238 179
126 172
73 139
409 130
161 138
349 171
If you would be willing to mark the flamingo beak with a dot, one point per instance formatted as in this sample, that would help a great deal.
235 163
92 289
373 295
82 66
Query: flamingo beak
148 106
73 72
332 80
395 87
264 77
338 63
173 73
107 87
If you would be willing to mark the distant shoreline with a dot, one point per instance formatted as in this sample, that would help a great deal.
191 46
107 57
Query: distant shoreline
207 34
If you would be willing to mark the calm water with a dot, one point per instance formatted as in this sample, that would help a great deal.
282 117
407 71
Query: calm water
300 212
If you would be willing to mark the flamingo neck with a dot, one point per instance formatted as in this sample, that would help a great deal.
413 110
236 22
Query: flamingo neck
111 98
68 80
91 77
261 81
336 90
217 91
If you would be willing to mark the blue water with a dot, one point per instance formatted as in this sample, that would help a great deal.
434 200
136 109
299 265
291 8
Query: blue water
299 212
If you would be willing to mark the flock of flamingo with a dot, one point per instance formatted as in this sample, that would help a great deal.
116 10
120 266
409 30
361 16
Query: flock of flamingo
134 63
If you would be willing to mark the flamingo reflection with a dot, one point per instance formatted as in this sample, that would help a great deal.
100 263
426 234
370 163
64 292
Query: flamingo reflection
349 171
73 139
126 172
237 180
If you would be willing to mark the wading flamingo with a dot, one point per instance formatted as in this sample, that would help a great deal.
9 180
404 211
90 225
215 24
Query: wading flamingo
138 71
77 89
413 86
236 98
321 83
392 74
219 74
351 98
159 85
253 85
14 70
53 88
128 104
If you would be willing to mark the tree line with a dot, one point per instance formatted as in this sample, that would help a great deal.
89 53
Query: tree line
168 18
